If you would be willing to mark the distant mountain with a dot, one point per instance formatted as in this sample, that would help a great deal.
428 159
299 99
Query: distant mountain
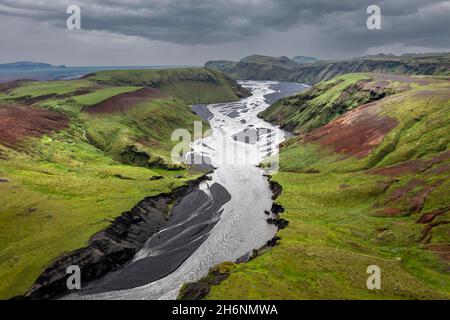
284 62
304 59
26 65
258 67
43 71
412 64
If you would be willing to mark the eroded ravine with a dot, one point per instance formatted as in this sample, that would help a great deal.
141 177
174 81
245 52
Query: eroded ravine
224 220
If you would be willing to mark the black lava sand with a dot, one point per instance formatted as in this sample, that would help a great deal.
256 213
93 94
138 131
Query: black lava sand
191 221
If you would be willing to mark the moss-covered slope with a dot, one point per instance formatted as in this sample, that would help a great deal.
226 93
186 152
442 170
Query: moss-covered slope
76 154
330 99
357 196
193 85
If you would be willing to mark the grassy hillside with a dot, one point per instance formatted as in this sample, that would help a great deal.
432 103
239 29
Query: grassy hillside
76 154
193 85
270 68
369 188
328 100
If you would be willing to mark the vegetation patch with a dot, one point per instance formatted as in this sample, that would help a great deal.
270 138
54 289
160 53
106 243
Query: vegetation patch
346 211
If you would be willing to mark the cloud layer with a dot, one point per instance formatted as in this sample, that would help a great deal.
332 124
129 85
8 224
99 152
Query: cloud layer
317 26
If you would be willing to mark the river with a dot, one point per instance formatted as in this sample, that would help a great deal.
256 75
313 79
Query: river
201 239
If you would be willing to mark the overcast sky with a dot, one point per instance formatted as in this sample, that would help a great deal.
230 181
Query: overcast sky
190 32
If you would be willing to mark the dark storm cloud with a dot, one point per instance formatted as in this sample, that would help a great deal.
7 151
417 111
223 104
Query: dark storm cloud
190 32
415 22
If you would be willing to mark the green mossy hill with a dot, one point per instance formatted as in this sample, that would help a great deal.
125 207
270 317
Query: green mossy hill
76 154
193 85
330 99
388 207
257 67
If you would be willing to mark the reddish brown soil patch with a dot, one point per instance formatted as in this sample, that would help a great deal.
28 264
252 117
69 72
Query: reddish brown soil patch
441 169
442 250
18 123
418 200
357 133
430 216
441 157
426 233
412 166
402 191
125 101
403 168
388 212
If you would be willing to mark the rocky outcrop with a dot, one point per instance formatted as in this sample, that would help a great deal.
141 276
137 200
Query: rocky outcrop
276 209
113 247
200 289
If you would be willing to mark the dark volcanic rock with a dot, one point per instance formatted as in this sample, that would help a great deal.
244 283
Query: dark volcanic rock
277 209
273 242
190 223
195 291
279 222
200 289
276 188
113 247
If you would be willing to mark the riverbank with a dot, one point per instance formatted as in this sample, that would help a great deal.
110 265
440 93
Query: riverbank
201 288
356 197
